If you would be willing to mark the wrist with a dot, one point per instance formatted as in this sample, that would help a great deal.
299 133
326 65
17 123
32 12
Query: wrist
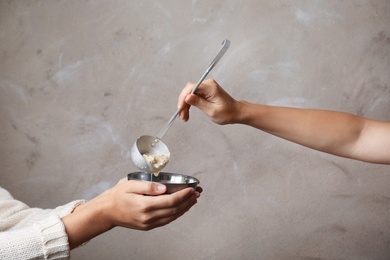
98 211
242 112
249 113
87 221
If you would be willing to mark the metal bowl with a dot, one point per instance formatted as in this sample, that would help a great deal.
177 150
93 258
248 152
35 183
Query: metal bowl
173 181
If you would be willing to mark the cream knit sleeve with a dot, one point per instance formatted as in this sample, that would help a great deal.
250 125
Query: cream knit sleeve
32 233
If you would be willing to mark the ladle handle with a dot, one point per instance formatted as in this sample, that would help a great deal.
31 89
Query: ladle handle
224 48
164 130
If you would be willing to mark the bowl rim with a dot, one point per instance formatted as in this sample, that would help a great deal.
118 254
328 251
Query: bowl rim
146 177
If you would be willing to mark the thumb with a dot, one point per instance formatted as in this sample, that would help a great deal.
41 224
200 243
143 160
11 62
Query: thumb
146 188
156 189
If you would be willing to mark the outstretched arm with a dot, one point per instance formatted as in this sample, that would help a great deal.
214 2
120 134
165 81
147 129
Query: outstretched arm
332 132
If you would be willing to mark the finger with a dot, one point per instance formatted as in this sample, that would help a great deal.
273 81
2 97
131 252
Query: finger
169 200
183 206
143 187
186 91
164 216
184 113
204 96
179 209
182 105
192 99
199 189
122 180
201 103
177 214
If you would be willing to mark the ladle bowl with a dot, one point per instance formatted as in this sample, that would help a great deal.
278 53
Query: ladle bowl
147 144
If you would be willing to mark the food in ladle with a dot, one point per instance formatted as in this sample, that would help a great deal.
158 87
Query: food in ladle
158 161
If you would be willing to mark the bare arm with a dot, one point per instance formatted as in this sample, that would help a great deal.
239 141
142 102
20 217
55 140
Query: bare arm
332 132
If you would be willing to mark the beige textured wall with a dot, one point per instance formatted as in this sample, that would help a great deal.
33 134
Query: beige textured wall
81 80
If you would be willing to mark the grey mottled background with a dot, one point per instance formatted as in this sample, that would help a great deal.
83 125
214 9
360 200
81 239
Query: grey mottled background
81 80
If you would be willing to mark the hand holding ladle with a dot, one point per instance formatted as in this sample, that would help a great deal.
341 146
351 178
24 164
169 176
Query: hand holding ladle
153 146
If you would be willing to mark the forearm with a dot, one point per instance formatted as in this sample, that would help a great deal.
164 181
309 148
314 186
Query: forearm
86 222
328 131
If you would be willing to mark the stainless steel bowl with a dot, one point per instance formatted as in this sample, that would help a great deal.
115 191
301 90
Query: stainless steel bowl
173 181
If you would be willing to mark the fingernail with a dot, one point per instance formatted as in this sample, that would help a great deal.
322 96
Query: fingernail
160 187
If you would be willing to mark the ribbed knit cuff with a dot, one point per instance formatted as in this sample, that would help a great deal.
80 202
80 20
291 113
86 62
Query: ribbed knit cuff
54 238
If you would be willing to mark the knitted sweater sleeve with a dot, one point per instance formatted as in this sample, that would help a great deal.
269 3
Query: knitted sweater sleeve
32 233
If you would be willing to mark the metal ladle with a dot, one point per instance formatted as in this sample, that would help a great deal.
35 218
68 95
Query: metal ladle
147 144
